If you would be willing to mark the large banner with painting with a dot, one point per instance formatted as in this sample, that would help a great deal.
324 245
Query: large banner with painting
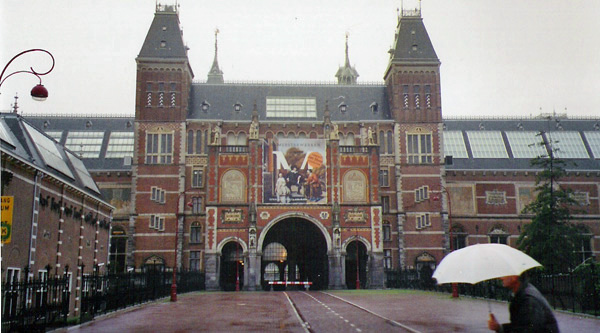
295 171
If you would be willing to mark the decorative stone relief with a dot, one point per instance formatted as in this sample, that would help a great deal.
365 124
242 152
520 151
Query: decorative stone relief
495 197
354 187
233 186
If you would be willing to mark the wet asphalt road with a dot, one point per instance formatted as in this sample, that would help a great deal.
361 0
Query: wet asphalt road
332 311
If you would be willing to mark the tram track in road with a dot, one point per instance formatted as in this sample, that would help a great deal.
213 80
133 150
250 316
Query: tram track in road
325 312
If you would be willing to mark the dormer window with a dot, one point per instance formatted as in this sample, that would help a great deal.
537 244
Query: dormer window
343 107
163 44
237 107
374 107
205 106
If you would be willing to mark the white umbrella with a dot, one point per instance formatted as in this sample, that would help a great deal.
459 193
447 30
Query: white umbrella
480 262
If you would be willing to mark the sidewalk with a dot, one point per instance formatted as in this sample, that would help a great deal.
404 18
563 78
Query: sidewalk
270 311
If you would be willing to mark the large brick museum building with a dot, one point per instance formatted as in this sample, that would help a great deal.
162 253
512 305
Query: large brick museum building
327 183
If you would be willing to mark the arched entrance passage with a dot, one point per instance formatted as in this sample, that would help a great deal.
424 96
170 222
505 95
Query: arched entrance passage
294 249
356 265
231 277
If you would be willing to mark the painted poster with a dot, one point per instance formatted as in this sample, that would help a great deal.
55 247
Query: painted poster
296 171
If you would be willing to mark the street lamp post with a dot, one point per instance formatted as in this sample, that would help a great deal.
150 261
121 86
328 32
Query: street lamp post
179 216
39 92
454 285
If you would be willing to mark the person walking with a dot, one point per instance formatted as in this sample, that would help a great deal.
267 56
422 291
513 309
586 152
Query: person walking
529 310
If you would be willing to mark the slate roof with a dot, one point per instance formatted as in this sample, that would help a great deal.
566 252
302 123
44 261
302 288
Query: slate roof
22 140
412 43
222 97
165 38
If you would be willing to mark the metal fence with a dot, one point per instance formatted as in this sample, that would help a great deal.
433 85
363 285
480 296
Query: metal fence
110 292
35 304
576 291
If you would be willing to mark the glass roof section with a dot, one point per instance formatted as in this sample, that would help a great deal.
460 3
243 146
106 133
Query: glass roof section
526 144
487 144
593 139
82 172
454 144
55 134
47 148
291 107
85 144
567 145
4 134
120 145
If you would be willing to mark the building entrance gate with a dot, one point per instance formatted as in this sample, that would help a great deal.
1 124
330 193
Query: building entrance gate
294 250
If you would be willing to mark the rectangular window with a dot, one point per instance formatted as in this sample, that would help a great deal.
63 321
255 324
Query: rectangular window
197 205
157 195
387 259
423 221
159 148
419 149
428 96
194 260
384 177
385 204
197 178
291 107
157 222
422 194
196 233
387 232
199 135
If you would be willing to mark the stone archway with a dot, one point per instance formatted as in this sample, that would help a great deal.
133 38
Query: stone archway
306 245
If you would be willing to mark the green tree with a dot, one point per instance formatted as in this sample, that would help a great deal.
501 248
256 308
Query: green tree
551 238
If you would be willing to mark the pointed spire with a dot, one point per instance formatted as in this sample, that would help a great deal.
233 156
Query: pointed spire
215 75
16 105
347 74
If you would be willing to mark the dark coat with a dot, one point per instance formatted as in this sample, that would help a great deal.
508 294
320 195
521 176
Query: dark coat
530 312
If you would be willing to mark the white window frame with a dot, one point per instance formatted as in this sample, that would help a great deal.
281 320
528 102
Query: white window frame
422 193
158 152
421 150
423 221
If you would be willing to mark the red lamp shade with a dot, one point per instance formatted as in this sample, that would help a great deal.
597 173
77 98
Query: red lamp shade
39 93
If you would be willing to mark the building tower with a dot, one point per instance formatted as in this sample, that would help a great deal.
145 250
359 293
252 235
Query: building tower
347 74
413 84
164 77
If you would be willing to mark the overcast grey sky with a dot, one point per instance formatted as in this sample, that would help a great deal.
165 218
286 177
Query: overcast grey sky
499 58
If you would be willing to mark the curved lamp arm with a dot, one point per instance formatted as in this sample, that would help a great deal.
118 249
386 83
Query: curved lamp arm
39 92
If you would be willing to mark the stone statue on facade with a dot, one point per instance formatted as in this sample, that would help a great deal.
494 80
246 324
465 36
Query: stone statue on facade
253 134
334 134
216 135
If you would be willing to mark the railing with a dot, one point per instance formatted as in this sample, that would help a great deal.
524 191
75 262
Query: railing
233 149
35 304
577 291
110 292
354 149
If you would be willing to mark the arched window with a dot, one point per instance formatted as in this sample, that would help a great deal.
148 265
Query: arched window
349 140
190 142
199 141
390 142
272 272
231 139
196 233
275 252
382 148
241 139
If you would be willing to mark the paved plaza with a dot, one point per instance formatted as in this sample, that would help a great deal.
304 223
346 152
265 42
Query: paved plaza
296 311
